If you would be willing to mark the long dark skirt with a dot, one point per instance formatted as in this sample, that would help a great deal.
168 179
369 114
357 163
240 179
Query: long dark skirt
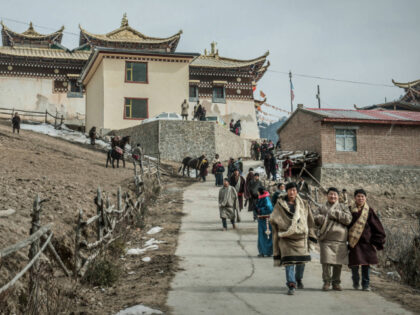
265 242
219 179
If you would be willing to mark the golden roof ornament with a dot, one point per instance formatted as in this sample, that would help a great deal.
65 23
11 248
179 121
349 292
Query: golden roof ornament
124 21
213 45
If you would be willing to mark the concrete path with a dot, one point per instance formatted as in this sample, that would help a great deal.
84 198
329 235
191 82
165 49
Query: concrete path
221 273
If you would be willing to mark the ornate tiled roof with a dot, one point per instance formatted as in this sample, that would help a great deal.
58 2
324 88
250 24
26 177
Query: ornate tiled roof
213 60
29 37
406 85
127 34
44 53
412 90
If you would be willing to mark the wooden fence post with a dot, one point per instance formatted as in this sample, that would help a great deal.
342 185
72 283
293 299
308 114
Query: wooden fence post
46 116
55 118
99 209
119 200
76 247
158 165
33 283
61 120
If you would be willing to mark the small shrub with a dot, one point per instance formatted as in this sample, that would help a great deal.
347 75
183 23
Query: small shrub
117 247
102 273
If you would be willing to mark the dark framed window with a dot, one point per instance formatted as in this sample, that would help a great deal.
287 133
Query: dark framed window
136 72
219 94
75 90
193 93
136 108
345 140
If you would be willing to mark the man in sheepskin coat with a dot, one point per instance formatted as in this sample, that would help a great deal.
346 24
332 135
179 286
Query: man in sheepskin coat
332 221
293 228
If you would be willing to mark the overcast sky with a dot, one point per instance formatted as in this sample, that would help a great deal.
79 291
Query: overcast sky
359 40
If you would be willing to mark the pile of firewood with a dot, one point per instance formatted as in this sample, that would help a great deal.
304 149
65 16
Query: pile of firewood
299 158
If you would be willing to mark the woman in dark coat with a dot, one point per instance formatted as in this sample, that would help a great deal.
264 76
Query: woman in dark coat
16 122
366 236
219 170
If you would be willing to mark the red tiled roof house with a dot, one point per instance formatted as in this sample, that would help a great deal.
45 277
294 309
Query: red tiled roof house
360 140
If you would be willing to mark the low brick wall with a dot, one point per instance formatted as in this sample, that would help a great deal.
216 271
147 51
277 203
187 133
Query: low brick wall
178 139
376 179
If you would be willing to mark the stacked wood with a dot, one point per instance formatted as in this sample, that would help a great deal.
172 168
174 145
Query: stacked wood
299 158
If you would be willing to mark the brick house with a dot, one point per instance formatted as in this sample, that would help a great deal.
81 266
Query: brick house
361 140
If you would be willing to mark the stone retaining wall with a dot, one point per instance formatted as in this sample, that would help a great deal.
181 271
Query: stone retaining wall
178 139
378 178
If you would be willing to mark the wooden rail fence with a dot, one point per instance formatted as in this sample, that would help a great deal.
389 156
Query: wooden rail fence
58 118
108 217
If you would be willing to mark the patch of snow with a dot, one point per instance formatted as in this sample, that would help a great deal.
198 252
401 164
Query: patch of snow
63 133
261 171
146 259
152 241
154 230
139 251
131 273
139 310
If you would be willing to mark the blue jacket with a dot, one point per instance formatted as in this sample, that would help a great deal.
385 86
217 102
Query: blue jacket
264 204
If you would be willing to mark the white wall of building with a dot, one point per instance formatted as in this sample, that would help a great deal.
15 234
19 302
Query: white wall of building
37 94
235 109
95 100
166 89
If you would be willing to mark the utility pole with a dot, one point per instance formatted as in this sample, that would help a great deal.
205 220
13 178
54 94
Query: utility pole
318 96
292 96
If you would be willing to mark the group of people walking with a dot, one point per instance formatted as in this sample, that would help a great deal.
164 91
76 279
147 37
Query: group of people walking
288 228
259 151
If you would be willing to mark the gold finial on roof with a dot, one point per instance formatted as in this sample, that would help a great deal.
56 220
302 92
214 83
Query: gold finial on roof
213 47
205 51
31 27
124 21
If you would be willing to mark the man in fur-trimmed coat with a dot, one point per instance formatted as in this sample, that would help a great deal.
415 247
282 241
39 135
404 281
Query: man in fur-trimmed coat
332 221
293 228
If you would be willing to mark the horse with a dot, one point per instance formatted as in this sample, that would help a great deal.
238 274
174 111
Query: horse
189 162
117 151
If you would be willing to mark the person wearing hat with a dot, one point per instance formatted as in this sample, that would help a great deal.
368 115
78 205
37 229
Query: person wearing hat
228 203
332 221
366 236
293 229
264 209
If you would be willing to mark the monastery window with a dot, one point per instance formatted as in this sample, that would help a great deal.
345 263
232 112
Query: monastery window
219 94
345 140
136 72
136 108
193 93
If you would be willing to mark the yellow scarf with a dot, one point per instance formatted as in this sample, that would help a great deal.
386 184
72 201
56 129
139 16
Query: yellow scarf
358 227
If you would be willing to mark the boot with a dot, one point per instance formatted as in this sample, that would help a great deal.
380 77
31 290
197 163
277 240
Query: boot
299 284
326 286
337 287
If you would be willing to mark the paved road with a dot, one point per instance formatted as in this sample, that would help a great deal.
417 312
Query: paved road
221 273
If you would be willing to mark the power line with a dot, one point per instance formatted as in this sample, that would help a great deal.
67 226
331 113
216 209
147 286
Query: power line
37 26
332 79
